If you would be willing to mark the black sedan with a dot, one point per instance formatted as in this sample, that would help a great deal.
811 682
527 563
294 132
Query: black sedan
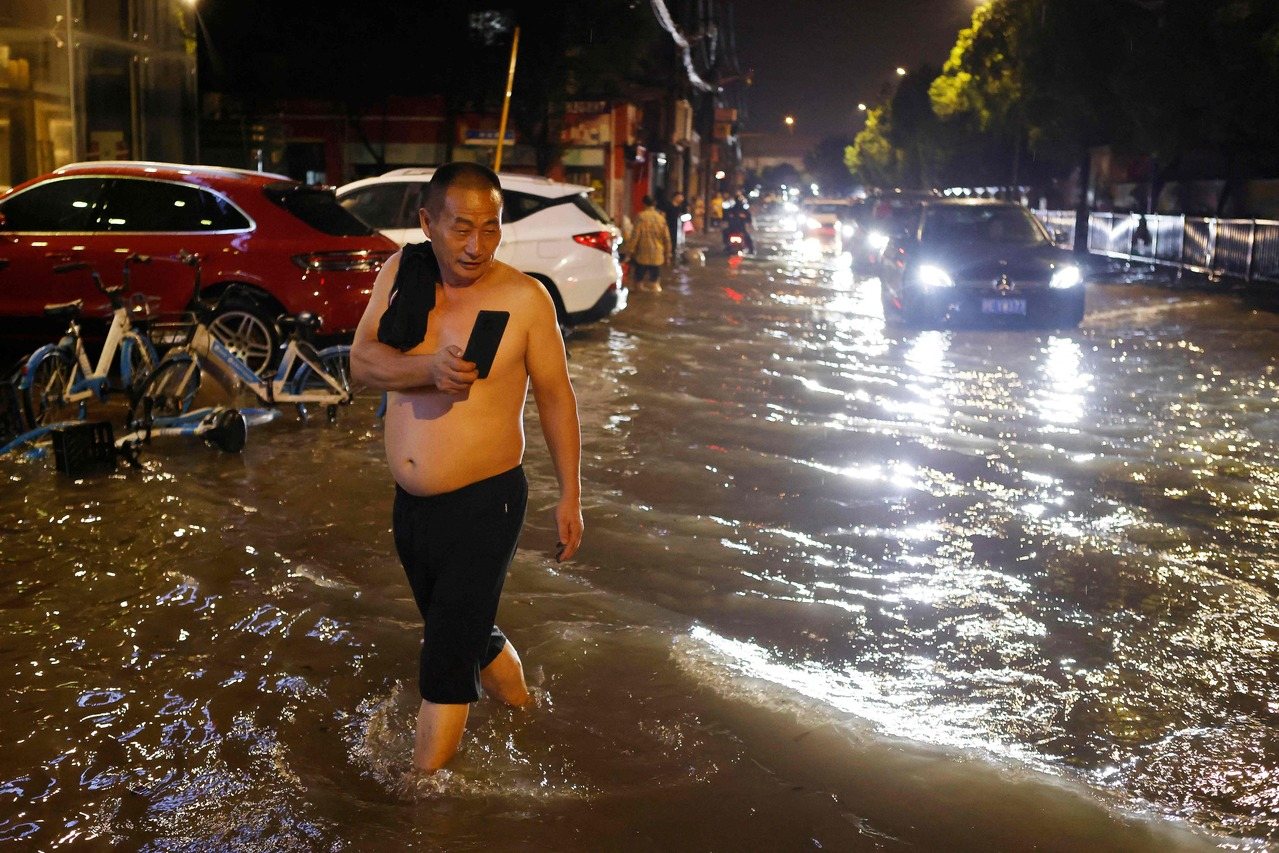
977 260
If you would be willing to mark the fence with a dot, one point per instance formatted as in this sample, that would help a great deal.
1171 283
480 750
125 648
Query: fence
1244 249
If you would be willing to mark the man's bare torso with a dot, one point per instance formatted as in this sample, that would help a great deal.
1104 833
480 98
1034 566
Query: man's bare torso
436 441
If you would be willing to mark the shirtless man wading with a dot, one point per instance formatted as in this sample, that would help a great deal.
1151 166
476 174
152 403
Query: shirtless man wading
454 444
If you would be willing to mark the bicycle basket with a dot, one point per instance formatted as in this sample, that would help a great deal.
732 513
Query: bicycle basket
171 330
83 449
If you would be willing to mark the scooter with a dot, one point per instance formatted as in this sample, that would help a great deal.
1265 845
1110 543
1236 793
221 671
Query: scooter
737 241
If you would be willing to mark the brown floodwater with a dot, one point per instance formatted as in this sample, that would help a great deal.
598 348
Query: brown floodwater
843 587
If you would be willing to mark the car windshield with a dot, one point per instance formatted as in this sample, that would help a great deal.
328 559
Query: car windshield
828 208
981 224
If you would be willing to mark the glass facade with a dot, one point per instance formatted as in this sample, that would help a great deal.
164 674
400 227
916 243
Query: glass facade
95 80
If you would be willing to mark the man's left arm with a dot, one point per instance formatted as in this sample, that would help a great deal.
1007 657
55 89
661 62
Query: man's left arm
557 412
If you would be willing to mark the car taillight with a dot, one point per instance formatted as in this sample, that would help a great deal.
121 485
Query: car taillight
602 240
361 260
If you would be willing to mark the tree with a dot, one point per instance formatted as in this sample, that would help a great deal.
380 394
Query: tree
872 157
1163 78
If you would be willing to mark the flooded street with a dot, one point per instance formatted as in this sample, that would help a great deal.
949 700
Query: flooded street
843 586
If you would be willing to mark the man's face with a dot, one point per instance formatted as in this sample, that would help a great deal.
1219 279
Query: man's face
465 233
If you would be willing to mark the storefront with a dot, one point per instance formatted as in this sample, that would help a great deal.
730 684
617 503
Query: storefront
95 80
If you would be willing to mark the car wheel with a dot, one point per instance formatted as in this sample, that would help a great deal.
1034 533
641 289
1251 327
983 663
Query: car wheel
247 328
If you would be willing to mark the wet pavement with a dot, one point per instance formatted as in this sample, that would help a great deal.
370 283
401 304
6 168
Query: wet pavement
843 585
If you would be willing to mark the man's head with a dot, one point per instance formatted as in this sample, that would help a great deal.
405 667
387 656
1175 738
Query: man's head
463 217
648 201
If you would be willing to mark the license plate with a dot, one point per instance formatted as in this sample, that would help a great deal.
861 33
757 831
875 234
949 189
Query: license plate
1003 306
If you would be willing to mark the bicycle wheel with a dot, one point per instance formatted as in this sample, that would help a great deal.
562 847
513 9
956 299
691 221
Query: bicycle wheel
170 390
336 362
137 360
44 392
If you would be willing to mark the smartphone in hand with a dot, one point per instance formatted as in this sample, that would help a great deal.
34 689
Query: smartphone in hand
486 335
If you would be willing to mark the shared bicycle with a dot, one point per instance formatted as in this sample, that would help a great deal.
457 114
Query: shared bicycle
58 379
306 377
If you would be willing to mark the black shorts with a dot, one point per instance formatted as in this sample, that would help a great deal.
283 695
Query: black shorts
455 549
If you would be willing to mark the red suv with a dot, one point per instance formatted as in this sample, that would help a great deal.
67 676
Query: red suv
286 246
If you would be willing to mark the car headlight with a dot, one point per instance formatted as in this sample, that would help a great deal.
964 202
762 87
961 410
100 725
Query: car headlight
848 230
877 240
814 223
1066 277
930 275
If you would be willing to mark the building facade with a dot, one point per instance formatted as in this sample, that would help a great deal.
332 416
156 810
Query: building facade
95 80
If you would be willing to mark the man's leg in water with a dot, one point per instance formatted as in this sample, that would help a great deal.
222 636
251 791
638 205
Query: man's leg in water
440 727
439 731
503 678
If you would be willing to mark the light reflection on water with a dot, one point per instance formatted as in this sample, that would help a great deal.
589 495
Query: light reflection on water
1052 548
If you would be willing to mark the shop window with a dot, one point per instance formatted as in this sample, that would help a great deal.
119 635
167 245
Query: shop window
108 18
108 106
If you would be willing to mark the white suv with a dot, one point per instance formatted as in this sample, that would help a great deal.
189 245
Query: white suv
552 231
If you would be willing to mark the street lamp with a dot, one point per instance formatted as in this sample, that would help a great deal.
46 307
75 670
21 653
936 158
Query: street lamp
789 121
901 72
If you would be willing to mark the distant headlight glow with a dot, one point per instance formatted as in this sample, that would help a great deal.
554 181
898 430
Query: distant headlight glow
813 222
1066 277
930 275
877 240
848 230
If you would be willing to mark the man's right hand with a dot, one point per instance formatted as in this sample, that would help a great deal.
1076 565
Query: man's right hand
449 372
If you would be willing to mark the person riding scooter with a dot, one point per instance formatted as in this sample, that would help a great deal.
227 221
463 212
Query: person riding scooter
737 224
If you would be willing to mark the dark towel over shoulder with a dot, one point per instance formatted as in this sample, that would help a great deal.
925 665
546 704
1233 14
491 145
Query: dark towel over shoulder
403 324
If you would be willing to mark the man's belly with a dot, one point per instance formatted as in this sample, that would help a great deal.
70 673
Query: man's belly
430 453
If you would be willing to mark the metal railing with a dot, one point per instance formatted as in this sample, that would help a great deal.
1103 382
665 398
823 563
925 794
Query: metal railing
1243 249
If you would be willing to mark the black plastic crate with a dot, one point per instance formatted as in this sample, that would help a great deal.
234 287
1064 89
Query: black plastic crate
84 449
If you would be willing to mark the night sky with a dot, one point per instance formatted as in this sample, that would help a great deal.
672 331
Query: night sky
815 59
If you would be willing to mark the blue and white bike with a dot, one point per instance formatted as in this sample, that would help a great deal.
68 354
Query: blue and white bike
306 377
57 381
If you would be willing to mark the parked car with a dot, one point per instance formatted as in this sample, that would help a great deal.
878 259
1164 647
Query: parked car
973 259
551 231
288 247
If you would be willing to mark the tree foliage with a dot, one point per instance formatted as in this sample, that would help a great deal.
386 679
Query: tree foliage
872 156
1160 77
1030 85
